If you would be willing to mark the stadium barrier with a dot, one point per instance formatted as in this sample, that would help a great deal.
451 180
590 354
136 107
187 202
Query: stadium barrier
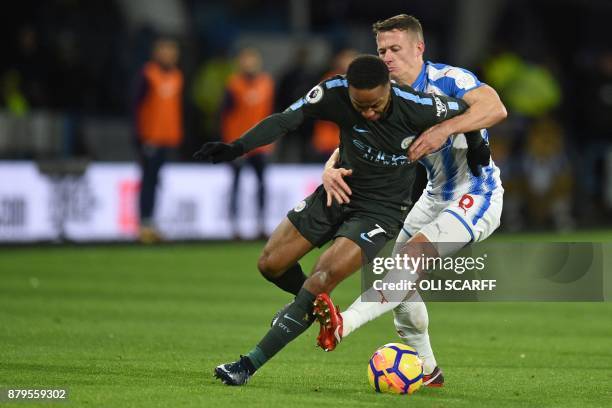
101 203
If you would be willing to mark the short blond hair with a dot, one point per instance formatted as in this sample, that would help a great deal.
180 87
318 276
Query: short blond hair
401 22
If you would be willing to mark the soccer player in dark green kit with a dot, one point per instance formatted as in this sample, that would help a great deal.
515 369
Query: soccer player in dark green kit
378 120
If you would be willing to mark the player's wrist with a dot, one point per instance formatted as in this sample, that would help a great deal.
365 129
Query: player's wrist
238 148
446 128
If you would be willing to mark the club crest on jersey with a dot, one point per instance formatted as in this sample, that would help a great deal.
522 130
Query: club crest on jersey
407 142
301 205
315 94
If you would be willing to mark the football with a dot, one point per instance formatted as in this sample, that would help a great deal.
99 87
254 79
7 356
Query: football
395 368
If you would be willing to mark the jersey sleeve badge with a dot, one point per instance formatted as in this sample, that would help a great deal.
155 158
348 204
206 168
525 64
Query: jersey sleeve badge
462 79
314 95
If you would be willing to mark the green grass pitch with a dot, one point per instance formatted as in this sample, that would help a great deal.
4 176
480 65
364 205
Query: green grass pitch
145 326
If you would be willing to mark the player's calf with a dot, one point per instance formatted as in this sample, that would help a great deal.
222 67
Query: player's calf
337 263
279 313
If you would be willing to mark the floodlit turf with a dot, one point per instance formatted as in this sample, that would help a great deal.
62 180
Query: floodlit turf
137 326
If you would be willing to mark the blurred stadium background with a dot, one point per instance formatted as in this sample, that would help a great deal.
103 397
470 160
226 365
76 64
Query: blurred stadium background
131 325
69 75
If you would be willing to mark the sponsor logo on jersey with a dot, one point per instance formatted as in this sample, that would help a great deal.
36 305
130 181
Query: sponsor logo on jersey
466 202
440 107
378 156
315 94
301 205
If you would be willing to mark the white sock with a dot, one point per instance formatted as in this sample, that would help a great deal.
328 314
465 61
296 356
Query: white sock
374 303
360 312
411 321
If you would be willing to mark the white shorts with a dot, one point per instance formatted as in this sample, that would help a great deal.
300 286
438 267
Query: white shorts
471 218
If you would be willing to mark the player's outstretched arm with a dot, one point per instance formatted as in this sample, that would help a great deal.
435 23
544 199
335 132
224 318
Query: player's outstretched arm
485 110
429 141
316 105
265 132
333 180
431 115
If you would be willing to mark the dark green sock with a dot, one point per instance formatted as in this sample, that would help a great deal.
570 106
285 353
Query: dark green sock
297 318
291 281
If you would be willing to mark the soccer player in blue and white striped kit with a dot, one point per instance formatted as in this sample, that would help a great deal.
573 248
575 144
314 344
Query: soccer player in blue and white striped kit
455 209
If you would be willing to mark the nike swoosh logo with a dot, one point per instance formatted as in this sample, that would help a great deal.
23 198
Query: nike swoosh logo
364 236
359 130
293 320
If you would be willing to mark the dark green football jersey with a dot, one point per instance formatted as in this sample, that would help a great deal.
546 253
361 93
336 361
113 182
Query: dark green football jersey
376 151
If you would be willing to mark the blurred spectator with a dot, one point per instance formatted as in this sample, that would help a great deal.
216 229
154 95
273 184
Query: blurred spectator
295 81
158 123
548 176
249 98
326 135
526 88
209 88
595 130
510 166
535 168
23 84
30 63
13 98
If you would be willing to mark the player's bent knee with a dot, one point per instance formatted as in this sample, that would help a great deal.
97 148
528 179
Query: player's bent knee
267 265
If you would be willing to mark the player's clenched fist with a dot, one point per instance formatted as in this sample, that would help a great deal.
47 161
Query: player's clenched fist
218 152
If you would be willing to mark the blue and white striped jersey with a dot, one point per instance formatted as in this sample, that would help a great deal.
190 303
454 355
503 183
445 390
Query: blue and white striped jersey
448 174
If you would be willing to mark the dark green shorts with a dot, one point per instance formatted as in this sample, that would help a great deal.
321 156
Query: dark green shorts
319 224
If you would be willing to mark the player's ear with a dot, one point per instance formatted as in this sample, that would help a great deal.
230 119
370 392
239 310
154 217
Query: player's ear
421 47
388 89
